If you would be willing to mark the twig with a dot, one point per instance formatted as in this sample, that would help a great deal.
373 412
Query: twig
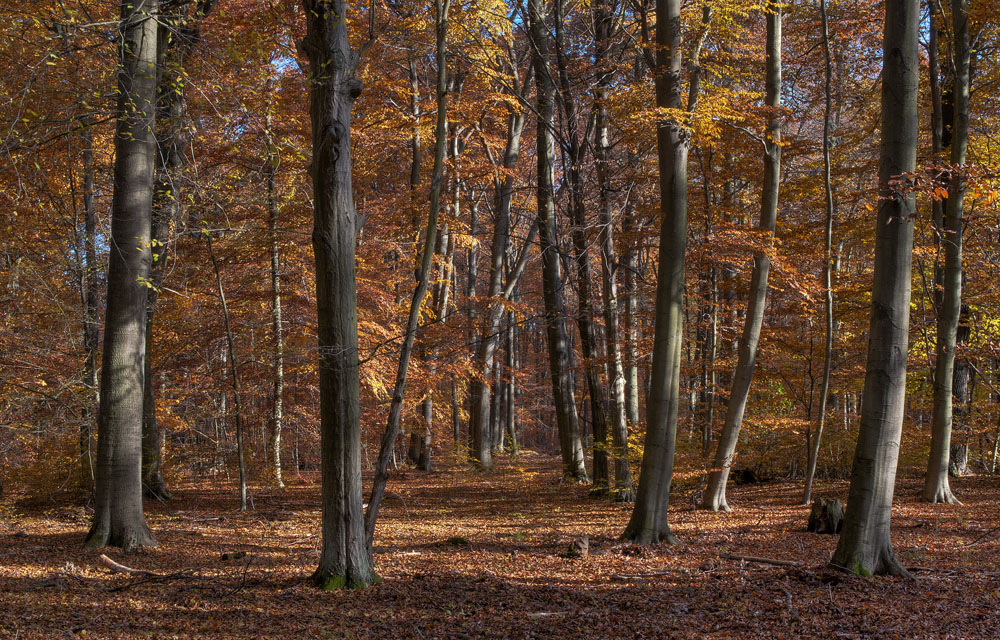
120 568
780 563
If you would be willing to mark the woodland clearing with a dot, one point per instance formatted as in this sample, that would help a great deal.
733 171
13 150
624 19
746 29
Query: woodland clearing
467 554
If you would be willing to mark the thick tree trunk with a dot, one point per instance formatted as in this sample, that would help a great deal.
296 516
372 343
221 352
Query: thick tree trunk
118 515
936 487
715 493
423 279
564 394
648 523
813 439
345 558
864 545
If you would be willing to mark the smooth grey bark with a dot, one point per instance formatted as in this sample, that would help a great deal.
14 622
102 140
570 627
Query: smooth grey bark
118 513
563 392
630 263
813 439
648 523
715 492
936 486
277 328
441 8
603 13
234 377
864 546
345 558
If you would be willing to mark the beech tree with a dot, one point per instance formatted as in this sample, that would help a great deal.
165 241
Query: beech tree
648 523
864 546
345 559
936 486
715 493
118 513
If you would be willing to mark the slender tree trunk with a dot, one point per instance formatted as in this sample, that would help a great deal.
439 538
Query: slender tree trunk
813 440
715 493
234 377
578 215
277 329
420 291
564 395
479 396
118 514
864 545
91 319
603 30
345 558
648 523
936 487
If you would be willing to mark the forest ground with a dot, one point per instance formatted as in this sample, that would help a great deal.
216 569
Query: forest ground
469 555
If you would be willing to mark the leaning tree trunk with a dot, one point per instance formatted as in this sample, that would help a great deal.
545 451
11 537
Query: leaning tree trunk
118 516
715 493
864 545
563 392
234 376
813 439
423 278
936 487
345 559
648 523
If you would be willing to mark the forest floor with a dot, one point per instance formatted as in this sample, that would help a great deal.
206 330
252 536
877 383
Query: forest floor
472 555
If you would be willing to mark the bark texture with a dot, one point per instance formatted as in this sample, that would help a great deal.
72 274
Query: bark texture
118 513
936 486
648 523
345 559
864 546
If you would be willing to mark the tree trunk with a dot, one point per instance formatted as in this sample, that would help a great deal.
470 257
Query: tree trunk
564 394
423 279
479 394
345 558
234 377
277 329
603 31
573 173
715 493
813 440
648 523
118 515
936 487
91 323
864 545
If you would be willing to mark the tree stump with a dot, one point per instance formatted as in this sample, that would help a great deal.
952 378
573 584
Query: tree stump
826 516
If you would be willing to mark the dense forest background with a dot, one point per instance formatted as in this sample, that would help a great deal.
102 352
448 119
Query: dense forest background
241 179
